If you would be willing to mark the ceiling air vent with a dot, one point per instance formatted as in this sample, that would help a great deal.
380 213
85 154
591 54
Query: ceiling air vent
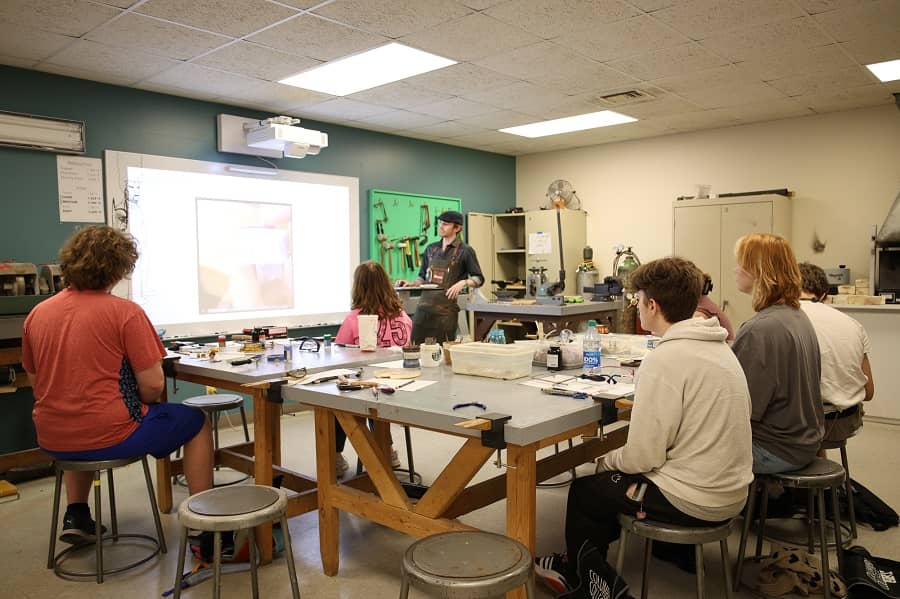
627 97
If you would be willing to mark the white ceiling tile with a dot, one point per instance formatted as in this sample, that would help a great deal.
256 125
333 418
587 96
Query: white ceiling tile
484 138
27 43
260 62
553 18
770 110
550 108
400 120
553 66
707 78
733 95
498 119
670 61
90 75
447 129
399 95
317 38
863 21
454 108
68 17
819 6
231 17
460 79
302 4
275 96
16 61
125 65
700 19
344 109
479 4
392 18
858 97
202 80
157 37
118 3
662 105
654 5
777 65
823 83
605 42
877 48
516 94
469 38
782 36
693 121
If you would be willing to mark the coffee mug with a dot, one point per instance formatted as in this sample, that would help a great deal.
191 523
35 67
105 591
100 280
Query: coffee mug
431 355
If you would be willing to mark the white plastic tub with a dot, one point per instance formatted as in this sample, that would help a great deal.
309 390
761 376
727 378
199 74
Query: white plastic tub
492 360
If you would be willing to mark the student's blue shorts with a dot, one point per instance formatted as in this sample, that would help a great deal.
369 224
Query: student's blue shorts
165 428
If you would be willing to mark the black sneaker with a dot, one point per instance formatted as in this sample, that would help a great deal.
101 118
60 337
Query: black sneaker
551 569
79 528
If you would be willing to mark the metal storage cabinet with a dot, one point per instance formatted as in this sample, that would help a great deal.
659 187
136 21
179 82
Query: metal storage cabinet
705 232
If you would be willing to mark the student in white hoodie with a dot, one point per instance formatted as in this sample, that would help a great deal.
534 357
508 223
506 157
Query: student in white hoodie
688 458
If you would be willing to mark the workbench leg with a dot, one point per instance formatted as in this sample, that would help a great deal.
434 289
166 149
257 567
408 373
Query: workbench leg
521 499
483 324
263 449
329 522
164 471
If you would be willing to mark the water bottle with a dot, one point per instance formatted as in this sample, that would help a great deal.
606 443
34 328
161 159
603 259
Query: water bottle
591 347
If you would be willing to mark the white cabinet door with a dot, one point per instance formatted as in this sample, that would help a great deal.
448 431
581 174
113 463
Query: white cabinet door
739 220
697 238
481 237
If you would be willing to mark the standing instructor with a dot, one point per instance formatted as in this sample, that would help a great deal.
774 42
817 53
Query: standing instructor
451 265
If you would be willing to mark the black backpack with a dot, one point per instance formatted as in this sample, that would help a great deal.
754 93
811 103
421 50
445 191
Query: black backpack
869 508
596 578
870 577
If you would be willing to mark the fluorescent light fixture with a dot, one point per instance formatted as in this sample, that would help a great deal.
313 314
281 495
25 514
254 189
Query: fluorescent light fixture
886 71
385 64
41 133
579 122
251 171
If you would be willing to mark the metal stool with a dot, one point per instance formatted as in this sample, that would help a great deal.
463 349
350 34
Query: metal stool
683 535
157 545
818 475
234 508
211 405
848 486
467 565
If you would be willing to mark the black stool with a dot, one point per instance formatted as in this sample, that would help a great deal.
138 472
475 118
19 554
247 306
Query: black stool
156 545
818 475
848 486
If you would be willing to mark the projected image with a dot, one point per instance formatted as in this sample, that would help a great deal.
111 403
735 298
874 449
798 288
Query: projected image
244 256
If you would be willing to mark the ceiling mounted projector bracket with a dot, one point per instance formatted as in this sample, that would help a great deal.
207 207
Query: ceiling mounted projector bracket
274 137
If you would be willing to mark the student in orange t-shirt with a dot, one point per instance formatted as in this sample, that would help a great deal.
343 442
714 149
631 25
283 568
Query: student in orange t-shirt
95 364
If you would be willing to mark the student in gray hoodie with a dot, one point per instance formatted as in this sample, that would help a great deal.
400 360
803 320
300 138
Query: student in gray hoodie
687 460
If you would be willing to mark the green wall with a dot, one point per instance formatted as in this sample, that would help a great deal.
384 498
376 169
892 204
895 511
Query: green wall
131 120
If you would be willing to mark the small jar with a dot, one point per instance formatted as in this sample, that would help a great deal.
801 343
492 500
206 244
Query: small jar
326 341
554 358
222 341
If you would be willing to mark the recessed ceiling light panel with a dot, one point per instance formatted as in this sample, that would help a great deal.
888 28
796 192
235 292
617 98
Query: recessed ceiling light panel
385 64
886 71
579 122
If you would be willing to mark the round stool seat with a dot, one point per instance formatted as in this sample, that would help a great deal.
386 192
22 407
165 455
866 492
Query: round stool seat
468 564
672 533
215 402
94 465
232 508
818 474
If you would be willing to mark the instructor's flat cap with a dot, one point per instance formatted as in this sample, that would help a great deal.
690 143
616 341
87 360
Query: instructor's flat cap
452 216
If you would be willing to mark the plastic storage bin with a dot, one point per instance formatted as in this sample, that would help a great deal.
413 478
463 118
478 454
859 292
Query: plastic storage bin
492 360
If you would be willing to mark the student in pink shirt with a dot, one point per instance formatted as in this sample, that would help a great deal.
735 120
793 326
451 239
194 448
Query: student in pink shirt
372 294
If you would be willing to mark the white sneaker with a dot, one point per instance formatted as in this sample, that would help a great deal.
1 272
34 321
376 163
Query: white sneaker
341 466
395 459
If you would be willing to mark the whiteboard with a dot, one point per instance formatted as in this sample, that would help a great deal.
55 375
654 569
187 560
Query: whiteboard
223 247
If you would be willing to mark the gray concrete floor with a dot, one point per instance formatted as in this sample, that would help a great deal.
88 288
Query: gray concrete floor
370 554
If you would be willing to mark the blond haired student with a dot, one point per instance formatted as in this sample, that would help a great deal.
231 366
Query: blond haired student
779 353
372 293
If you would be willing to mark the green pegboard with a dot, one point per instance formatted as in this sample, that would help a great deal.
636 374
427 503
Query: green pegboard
406 218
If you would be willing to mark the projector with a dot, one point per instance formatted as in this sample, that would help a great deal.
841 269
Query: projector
280 134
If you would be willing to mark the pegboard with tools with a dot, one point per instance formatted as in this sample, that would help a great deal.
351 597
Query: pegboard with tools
401 226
